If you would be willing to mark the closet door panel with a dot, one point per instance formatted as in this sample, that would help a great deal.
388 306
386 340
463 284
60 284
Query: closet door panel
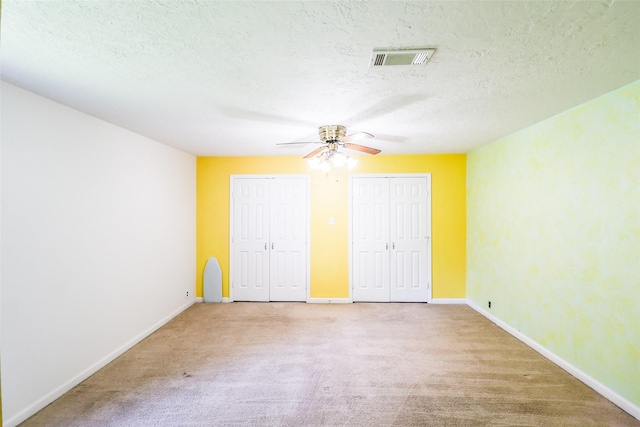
370 244
288 259
250 273
409 266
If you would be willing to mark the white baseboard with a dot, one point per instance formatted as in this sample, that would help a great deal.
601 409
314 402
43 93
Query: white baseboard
58 392
448 301
329 300
199 299
226 300
605 391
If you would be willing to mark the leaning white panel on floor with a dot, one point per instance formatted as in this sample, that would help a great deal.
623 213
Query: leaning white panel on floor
212 281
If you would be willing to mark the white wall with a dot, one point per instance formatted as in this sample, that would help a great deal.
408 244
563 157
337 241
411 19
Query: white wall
98 245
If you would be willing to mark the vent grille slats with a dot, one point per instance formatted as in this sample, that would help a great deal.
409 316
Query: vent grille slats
379 59
420 58
387 57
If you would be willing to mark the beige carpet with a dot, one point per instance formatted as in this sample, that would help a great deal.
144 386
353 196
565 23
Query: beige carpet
295 364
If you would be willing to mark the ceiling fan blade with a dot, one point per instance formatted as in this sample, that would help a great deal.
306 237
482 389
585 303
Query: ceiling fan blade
315 152
302 142
386 106
356 136
391 138
362 148
258 116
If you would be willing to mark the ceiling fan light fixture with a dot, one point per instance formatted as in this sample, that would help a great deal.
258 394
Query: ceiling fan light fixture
339 159
328 159
333 138
325 166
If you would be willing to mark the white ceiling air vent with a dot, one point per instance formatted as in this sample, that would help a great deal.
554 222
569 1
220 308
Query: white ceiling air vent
385 57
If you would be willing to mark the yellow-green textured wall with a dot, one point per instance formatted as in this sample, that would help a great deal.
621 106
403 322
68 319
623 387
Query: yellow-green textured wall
553 229
329 198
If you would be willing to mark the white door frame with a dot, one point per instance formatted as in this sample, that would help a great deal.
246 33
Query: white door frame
232 179
429 241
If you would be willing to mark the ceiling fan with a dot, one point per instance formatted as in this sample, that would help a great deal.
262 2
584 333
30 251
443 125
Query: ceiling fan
332 137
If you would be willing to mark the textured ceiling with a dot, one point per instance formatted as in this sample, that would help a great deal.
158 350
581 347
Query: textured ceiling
235 78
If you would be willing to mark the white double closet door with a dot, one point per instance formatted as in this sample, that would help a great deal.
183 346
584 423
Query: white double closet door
269 235
391 239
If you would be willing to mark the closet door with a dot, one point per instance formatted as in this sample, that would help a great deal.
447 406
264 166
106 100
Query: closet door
250 240
390 233
409 231
269 239
370 239
288 230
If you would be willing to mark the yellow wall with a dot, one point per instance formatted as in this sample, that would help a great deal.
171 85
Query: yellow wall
329 198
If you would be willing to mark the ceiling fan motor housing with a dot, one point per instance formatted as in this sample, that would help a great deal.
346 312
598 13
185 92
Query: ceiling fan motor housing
331 132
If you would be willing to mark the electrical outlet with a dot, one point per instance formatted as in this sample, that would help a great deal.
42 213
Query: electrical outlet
489 304
187 296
